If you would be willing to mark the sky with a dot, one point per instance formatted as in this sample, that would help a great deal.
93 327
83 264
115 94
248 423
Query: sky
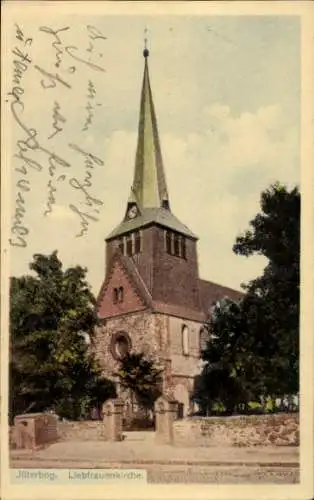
227 96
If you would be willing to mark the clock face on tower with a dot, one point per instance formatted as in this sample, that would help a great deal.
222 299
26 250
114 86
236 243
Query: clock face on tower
132 212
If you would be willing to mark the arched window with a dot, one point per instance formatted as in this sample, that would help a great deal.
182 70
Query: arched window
121 245
185 340
115 295
168 242
137 242
118 294
129 245
203 339
176 244
183 248
120 345
180 246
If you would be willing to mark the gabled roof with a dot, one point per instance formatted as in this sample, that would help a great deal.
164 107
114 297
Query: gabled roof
212 292
179 311
137 279
133 275
160 216
209 292
142 291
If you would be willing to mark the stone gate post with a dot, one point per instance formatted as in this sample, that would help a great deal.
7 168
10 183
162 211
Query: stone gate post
35 429
166 410
113 417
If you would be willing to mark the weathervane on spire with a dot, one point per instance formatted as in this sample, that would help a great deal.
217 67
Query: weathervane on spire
145 51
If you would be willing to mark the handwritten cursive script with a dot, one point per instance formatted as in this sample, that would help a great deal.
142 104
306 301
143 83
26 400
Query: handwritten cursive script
57 119
90 161
43 154
21 63
58 46
90 106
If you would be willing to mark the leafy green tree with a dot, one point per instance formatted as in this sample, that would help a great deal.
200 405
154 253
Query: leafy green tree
253 348
271 305
223 379
52 319
142 377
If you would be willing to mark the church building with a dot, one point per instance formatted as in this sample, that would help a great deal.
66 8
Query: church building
152 299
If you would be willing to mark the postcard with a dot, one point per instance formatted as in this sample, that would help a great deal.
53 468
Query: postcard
157 286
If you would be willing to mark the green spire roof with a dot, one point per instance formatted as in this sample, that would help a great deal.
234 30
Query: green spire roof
149 191
149 188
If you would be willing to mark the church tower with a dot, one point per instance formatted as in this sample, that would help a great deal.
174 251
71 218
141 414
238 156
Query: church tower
152 299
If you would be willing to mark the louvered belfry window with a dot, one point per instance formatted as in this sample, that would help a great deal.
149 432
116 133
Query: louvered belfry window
121 245
168 242
176 245
183 248
137 245
129 249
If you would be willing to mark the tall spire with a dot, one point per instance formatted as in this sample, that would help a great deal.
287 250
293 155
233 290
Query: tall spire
148 202
149 188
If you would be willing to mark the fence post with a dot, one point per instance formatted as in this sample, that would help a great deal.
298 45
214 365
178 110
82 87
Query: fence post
166 410
113 416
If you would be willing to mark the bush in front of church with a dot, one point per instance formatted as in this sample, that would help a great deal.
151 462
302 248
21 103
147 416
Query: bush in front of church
144 379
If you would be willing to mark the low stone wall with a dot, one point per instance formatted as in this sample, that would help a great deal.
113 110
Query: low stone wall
91 430
88 430
254 430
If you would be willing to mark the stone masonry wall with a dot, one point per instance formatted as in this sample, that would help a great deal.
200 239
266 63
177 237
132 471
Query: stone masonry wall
160 337
91 430
148 333
184 365
255 430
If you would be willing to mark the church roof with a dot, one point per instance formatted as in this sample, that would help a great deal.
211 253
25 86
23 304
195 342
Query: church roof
211 292
138 281
149 186
149 190
180 311
160 216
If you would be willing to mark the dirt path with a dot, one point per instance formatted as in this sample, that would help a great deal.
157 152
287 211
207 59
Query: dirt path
168 464
139 447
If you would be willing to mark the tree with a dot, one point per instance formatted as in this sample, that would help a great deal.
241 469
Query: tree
223 379
271 305
253 348
142 377
52 315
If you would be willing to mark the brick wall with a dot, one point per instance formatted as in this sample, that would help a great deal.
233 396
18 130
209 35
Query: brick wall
262 430
131 300
169 279
175 280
